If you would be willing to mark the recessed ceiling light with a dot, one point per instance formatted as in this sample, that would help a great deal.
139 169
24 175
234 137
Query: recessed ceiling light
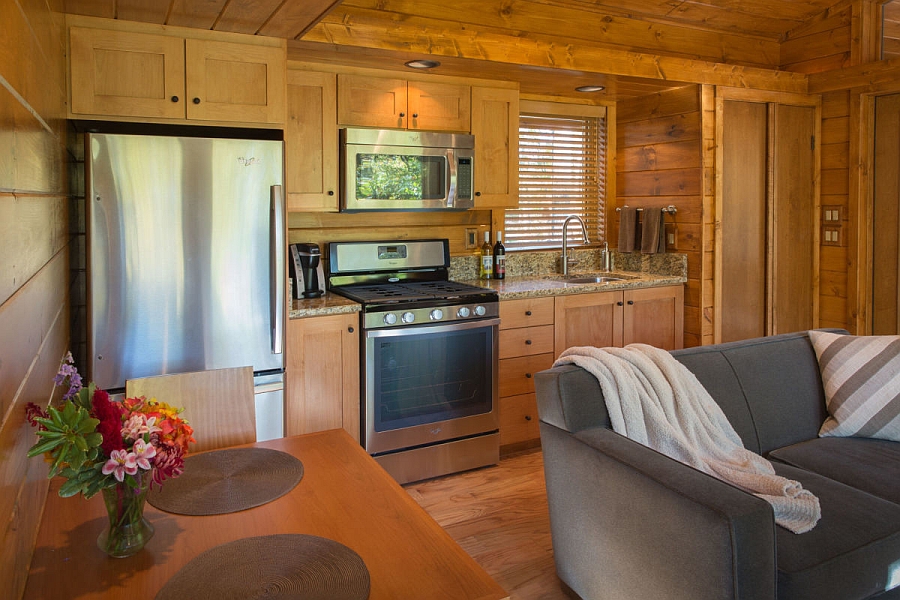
590 88
422 64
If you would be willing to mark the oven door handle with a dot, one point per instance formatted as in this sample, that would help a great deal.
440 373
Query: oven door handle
424 329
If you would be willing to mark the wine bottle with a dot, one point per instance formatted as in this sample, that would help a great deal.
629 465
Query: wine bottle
499 257
486 266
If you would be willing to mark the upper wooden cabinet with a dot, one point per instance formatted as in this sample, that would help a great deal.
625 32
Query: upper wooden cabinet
495 125
311 142
400 104
124 73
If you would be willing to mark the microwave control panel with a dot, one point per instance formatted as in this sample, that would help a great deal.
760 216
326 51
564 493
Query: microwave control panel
464 178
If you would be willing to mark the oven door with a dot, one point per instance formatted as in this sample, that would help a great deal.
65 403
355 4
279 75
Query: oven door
429 384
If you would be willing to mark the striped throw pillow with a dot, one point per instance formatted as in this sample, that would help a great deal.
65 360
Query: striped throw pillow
861 375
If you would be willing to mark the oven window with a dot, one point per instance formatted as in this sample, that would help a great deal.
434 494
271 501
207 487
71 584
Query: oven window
430 377
400 177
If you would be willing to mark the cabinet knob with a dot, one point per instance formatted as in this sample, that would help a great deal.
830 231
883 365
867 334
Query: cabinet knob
331 192
402 115
477 193
527 417
527 313
619 303
196 100
415 115
174 98
527 375
527 342
350 329
630 302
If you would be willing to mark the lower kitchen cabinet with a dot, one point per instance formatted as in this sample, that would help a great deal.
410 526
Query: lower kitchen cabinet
652 316
526 346
322 374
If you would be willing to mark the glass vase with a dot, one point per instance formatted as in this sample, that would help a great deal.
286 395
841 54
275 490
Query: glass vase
128 530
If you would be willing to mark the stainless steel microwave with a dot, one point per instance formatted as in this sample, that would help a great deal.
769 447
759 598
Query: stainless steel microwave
396 170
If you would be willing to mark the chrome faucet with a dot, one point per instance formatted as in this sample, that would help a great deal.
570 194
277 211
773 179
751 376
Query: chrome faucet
565 246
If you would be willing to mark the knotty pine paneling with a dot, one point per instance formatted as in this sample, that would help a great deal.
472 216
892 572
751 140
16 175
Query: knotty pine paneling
659 162
820 46
34 260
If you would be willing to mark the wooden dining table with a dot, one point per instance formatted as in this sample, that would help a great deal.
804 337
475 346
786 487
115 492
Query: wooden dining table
344 496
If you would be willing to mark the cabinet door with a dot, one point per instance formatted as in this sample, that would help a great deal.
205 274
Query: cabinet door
654 316
126 74
371 101
322 375
234 82
311 142
519 420
588 320
495 125
438 106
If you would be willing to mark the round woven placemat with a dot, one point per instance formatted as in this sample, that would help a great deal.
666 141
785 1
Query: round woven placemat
289 566
224 481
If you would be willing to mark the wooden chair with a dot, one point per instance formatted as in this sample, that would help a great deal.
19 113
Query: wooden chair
218 404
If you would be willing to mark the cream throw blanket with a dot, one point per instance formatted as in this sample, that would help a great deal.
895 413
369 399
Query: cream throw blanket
655 400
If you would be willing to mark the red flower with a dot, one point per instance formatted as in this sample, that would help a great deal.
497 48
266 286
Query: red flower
32 412
168 463
110 415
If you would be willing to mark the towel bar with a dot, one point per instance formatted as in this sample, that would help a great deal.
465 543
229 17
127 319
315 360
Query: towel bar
668 209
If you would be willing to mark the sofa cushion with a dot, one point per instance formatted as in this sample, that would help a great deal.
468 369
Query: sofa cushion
862 384
853 552
865 464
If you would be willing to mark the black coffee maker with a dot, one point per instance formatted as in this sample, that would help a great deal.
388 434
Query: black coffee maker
306 271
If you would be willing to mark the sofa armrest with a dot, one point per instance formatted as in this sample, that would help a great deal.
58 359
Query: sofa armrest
629 522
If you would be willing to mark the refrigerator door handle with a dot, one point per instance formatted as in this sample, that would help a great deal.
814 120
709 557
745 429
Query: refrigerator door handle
276 262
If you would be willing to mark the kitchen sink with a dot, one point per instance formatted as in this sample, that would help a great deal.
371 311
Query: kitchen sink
585 280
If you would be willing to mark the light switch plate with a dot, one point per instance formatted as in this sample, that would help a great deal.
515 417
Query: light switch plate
471 238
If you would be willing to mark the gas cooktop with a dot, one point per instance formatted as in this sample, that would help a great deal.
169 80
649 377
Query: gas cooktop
413 291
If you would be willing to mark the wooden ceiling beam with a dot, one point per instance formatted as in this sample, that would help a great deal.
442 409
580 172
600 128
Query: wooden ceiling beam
872 77
293 19
361 28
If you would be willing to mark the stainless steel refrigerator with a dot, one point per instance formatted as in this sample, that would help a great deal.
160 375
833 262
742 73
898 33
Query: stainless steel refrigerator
186 258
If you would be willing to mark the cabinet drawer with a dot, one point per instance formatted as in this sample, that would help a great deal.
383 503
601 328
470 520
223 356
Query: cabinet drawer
526 313
518 419
526 341
517 374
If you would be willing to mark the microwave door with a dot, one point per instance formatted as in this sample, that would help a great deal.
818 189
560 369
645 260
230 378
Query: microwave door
395 178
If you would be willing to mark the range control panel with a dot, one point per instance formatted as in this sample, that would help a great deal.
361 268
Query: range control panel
404 317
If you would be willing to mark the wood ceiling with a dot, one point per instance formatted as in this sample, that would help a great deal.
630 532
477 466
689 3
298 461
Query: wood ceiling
634 47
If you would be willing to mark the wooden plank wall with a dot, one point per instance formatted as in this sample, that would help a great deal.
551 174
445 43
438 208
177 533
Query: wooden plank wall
821 45
835 186
659 162
34 260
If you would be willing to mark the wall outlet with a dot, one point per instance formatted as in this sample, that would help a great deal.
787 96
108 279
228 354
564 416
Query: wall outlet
471 238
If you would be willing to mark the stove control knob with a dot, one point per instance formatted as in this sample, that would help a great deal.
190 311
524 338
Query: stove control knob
480 310
408 317
436 315
390 319
463 312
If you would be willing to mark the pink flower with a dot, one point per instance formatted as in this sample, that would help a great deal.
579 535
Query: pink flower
143 452
120 463
137 425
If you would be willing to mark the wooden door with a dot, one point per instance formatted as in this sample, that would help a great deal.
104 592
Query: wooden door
742 302
495 125
371 101
235 82
311 142
792 269
117 73
886 218
438 106
588 320
654 316
322 375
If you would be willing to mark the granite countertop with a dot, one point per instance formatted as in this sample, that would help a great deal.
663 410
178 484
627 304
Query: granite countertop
536 286
329 304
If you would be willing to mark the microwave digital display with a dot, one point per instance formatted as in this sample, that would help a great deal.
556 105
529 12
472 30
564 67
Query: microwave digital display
400 177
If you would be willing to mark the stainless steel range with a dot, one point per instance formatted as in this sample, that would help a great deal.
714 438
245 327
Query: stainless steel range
428 357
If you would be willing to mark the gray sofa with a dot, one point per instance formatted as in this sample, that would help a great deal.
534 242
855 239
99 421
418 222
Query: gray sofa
629 523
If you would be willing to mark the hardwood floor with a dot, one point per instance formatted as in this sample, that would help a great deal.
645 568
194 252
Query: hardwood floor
499 516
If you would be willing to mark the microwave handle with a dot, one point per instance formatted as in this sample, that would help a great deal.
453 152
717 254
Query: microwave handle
451 178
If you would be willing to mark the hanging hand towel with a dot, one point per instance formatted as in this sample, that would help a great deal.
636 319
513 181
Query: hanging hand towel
627 228
653 230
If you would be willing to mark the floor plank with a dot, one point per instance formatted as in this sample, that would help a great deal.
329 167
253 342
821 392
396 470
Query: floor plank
499 516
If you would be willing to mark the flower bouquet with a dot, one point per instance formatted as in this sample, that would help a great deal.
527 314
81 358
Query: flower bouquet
120 448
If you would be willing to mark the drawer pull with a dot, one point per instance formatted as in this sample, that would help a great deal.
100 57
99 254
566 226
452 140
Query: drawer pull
618 304
527 375
630 302
527 417
527 342
527 313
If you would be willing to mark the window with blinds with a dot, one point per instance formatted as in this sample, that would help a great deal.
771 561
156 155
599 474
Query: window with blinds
562 172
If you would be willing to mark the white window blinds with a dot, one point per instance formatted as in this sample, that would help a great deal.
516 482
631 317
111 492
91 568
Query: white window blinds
562 172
